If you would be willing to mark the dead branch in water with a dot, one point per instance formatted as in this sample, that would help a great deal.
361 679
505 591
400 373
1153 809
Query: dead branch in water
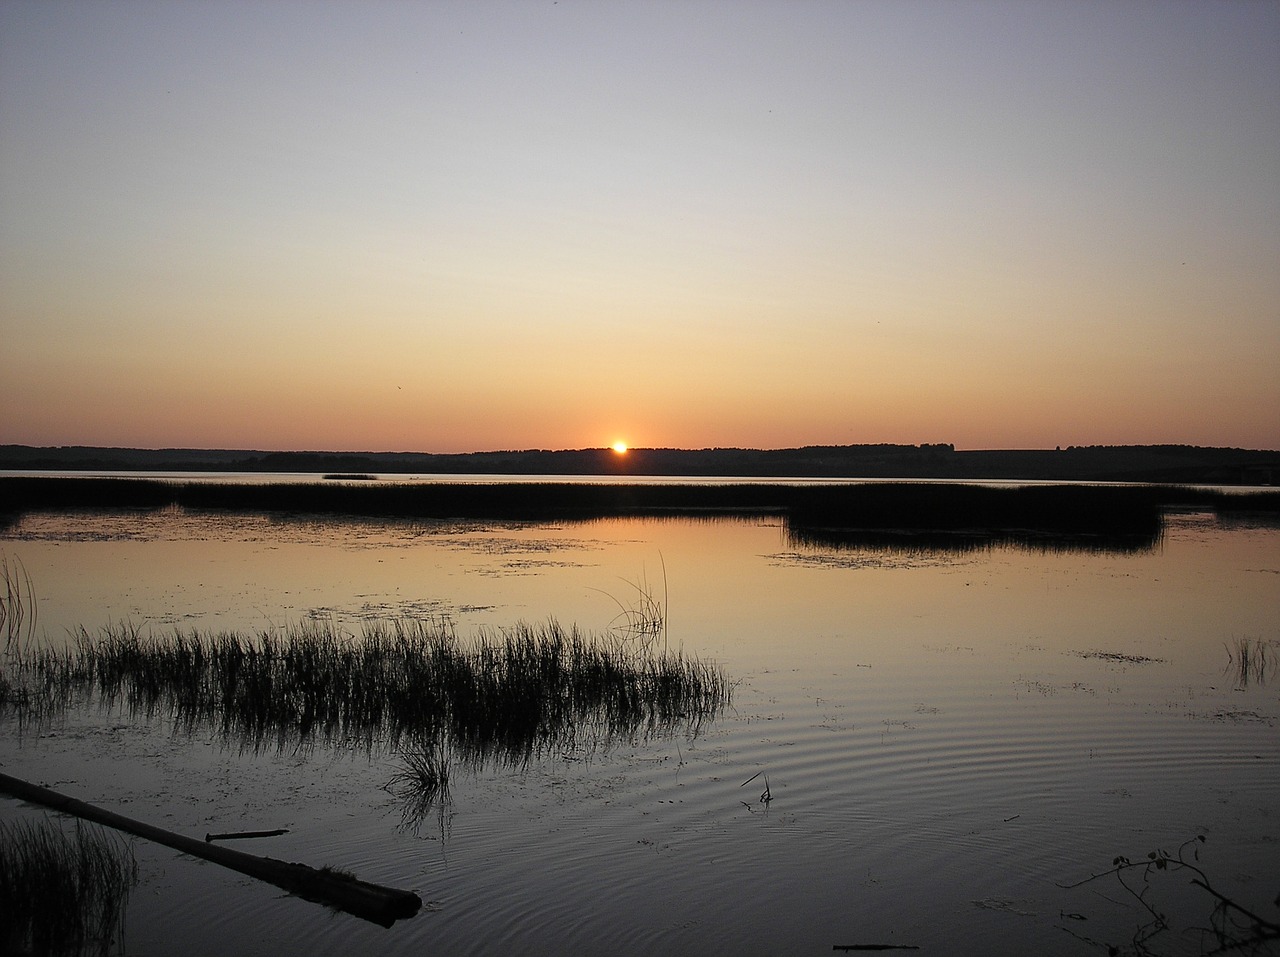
1226 930
372 902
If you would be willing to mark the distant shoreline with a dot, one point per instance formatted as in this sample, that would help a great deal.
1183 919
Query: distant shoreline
1168 464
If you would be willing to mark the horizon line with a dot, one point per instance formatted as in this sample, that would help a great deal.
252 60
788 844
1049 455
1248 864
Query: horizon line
951 447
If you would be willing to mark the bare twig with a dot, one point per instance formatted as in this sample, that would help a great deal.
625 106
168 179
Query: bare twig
1228 938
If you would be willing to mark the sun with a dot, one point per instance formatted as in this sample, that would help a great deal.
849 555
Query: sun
620 447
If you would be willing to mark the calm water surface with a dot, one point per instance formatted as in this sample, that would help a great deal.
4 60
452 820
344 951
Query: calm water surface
947 736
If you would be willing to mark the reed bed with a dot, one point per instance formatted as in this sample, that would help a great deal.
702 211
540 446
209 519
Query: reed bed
1060 509
906 504
62 893
909 541
1116 517
505 696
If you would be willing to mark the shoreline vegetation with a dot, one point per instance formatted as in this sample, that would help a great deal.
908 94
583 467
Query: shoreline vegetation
884 514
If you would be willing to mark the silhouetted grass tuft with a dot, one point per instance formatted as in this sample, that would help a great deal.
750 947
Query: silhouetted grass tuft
422 783
62 894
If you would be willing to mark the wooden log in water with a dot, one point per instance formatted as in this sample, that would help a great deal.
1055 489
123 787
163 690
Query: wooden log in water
242 835
372 902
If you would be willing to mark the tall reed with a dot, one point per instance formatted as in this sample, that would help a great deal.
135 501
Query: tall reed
17 603
642 620
1250 661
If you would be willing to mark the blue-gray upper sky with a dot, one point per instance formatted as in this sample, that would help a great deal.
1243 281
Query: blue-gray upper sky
449 226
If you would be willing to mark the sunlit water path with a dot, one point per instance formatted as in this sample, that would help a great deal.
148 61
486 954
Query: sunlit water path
945 736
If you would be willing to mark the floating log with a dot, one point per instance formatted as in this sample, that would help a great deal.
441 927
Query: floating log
241 835
371 902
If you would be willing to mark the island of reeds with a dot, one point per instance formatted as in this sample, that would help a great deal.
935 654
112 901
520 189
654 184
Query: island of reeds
1091 516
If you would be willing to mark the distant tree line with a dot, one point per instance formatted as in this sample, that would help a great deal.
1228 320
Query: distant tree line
1134 463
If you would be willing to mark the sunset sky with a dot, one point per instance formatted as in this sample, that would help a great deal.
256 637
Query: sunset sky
461 226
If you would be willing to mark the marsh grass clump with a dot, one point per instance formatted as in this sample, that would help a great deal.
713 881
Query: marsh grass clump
422 784
62 893
504 696
424 773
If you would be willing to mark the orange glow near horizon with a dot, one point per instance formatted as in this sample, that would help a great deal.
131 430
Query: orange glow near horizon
1006 252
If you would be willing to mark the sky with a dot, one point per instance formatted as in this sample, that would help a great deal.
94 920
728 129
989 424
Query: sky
462 226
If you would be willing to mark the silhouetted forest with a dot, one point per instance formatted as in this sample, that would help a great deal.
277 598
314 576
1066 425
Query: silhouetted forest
1124 463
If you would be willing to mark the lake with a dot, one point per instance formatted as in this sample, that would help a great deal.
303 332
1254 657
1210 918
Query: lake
946 736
